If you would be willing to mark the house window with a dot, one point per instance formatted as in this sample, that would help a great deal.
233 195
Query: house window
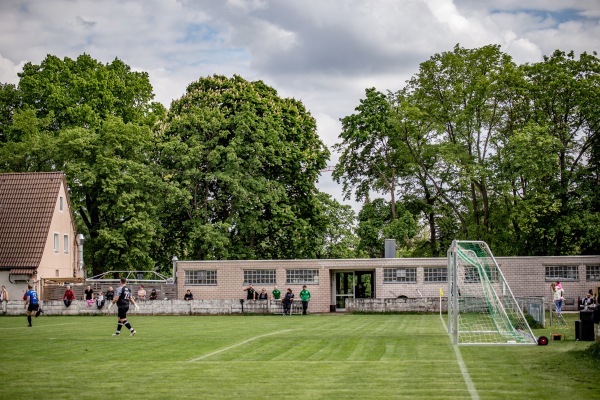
56 245
66 244
473 274
60 203
399 275
56 273
259 276
303 276
592 272
201 277
562 273
436 274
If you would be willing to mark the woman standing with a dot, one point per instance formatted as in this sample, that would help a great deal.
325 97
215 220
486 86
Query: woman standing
558 296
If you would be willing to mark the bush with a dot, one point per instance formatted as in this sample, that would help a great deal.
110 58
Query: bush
594 351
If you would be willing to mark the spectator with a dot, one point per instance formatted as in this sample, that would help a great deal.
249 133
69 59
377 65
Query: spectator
110 294
188 295
251 295
287 302
558 297
275 294
100 301
305 297
68 297
4 298
142 293
263 294
88 296
153 294
587 301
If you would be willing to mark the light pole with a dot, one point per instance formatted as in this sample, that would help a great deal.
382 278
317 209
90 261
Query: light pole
174 260
80 240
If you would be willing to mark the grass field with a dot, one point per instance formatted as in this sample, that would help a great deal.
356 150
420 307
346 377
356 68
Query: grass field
274 357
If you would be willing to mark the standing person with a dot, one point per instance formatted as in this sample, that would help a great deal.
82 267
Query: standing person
558 297
142 293
88 295
32 303
123 298
276 293
68 297
4 298
305 297
251 295
287 302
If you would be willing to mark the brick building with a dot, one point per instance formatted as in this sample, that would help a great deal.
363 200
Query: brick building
332 281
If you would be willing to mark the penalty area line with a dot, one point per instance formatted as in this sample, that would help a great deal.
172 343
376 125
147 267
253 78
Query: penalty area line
463 368
236 345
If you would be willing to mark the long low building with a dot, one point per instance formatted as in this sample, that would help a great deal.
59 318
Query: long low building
331 282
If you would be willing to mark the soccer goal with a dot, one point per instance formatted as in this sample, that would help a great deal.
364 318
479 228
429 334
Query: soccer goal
481 307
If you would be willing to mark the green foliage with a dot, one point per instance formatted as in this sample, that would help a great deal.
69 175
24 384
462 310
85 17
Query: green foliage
246 162
594 351
482 149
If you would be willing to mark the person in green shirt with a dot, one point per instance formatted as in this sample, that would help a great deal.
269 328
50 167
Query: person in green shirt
305 297
276 293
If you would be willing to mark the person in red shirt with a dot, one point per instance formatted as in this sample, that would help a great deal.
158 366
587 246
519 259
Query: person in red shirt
68 297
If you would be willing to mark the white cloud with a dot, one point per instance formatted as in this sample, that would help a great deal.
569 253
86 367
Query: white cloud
324 53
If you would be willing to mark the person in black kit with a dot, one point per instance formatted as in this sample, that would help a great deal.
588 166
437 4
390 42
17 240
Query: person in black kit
251 293
153 295
188 295
287 302
123 298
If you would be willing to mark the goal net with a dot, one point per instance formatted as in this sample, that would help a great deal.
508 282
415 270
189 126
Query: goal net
481 307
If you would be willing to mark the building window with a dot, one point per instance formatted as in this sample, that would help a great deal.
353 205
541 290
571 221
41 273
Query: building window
436 274
473 274
201 277
56 245
592 272
259 277
302 276
399 275
66 244
562 273
56 273
60 203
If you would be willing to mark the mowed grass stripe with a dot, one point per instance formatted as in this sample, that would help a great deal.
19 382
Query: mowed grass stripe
321 357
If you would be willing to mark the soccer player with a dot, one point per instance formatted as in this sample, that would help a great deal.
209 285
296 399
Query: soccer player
32 303
305 297
123 298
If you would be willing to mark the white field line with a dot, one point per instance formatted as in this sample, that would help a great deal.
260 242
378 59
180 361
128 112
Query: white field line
463 368
24 327
237 344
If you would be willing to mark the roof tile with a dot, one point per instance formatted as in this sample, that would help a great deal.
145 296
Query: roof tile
27 202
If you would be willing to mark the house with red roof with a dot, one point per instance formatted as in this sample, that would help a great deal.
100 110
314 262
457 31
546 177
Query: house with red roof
38 238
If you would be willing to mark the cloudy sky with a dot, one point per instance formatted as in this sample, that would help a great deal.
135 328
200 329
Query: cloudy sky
324 53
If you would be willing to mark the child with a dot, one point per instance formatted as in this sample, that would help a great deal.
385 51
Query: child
100 301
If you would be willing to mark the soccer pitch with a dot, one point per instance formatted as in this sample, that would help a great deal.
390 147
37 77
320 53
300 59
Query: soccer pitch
329 356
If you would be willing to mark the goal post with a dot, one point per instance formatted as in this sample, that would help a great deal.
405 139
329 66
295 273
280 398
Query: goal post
481 307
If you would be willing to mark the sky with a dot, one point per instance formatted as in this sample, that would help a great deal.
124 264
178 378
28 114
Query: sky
324 53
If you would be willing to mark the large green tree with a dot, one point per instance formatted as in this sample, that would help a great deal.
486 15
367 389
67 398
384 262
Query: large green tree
246 162
93 121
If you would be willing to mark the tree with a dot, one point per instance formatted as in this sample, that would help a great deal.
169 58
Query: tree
340 239
94 122
375 224
248 161
368 160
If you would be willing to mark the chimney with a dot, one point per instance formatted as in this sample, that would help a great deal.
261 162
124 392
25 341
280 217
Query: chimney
390 248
